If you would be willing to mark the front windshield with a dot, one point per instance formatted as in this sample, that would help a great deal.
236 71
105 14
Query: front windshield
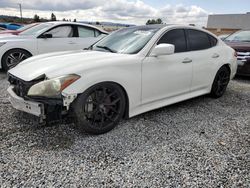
126 41
36 29
241 36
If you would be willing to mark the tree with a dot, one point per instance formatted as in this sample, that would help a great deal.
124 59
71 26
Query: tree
36 18
153 21
53 17
148 22
63 19
97 23
159 21
74 20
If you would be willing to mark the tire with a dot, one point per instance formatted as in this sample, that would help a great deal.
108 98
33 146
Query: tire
220 82
100 108
13 57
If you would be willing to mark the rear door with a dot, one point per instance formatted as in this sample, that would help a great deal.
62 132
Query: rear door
205 56
87 36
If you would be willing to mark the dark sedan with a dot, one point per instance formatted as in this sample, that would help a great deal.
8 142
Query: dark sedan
240 41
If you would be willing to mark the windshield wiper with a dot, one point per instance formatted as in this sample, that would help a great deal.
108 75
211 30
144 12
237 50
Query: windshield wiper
107 48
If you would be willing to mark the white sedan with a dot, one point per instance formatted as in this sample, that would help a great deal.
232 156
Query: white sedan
129 72
44 38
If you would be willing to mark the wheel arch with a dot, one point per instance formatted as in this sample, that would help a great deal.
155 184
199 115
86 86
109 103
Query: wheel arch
228 66
28 51
126 112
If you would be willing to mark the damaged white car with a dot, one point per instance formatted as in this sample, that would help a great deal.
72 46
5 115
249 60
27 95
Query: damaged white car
129 72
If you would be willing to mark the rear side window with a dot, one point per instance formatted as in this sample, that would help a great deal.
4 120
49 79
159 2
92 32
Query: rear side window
213 41
198 40
85 32
175 37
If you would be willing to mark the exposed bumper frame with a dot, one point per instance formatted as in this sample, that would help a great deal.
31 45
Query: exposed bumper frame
31 107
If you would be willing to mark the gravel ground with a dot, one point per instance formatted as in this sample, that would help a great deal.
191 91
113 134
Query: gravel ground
201 142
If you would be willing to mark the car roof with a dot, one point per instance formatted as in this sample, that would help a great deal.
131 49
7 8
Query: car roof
169 26
161 26
151 26
76 23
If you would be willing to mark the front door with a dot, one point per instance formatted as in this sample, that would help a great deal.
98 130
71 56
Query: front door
62 40
167 76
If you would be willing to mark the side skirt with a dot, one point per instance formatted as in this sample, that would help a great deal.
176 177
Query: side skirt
165 102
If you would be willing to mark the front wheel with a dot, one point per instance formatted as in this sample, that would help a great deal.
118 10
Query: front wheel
13 57
100 108
220 83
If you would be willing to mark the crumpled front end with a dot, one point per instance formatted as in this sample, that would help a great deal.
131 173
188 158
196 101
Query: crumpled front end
47 109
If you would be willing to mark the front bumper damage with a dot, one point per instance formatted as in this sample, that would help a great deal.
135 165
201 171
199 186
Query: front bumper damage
34 108
46 109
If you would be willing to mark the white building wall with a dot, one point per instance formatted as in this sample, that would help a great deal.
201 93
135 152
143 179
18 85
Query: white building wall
229 21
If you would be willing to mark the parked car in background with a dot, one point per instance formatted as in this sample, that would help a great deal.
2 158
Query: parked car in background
131 71
240 41
21 29
47 37
10 26
222 37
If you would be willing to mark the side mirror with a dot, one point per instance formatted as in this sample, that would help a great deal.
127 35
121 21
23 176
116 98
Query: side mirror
46 35
163 49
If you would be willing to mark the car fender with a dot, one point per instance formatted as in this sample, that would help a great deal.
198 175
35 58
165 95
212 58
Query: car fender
114 74
228 59
32 49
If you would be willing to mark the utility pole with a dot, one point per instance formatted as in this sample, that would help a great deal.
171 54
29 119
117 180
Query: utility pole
21 14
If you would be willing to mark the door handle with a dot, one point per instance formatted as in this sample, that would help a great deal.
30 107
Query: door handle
187 60
71 42
215 55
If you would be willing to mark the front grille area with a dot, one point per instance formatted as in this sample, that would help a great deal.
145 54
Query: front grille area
22 87
243 56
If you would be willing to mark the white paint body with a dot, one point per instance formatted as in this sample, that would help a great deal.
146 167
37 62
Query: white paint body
35 45
150 82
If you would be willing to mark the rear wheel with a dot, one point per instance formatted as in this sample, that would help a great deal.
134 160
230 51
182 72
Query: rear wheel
13 57
100 108
220 82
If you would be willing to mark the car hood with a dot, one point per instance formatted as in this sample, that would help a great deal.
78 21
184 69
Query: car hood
239 46
62 63
10 37
9 32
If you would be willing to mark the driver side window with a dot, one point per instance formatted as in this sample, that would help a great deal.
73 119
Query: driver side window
177 38
61 32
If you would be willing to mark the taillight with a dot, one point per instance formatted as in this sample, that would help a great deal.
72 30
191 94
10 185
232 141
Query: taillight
235 54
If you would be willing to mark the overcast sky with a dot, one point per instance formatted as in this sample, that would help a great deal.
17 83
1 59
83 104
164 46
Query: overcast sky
126 11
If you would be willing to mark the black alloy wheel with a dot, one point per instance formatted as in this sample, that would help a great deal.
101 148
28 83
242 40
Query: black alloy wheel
100 108
14 57
220 83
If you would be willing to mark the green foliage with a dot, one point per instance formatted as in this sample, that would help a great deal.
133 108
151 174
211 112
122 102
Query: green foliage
53 17
36 18
154 21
